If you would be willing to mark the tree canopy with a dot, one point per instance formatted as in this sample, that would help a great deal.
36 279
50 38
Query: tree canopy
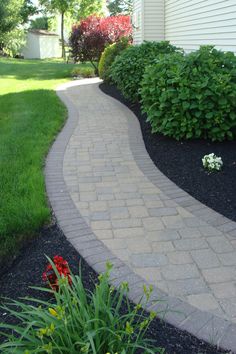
117 7
90 7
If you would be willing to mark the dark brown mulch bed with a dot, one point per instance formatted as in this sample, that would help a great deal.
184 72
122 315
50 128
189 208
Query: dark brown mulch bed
181 162
27 271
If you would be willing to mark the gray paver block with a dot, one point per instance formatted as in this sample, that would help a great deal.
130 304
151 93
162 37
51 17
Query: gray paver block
180 257
162 211
214 330
186 286
204 301
190 244
220 244
205 258
162 247
196 321
219 274
224 290
162 235
148 260
229 339
180 271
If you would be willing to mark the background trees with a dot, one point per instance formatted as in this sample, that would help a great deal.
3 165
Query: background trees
117 7
13 14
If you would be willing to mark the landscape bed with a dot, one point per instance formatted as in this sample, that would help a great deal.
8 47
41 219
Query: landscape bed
181 162
27 269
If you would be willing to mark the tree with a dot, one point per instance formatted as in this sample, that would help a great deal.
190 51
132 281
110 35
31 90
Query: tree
61 6
90 7
117 7
40 23
13 14
90 37
27 10
10 15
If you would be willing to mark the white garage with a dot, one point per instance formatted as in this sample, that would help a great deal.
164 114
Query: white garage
42 44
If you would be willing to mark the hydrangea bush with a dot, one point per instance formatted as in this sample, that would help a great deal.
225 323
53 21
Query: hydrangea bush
192 96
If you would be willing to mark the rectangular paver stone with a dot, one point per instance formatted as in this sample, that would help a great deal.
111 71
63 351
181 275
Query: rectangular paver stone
190 244
220 244
148 260
205 258
180 271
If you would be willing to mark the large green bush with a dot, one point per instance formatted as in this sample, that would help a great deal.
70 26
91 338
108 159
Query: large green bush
79 321
108 56
192 96
128 68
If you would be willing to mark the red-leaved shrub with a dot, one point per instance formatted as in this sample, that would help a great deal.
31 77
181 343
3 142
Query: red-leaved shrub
90 37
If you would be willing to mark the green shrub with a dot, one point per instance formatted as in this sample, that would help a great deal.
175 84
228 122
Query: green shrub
128 68
108 57
79 321
83 72
192 96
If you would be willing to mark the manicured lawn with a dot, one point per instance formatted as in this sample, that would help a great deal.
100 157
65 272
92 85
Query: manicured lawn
30 117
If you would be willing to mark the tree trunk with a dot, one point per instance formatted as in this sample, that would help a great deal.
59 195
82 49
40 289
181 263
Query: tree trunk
63 54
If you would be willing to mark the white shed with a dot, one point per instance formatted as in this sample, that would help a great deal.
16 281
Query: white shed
42 44
186 23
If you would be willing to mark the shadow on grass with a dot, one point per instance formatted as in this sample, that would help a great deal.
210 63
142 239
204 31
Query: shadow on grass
29 122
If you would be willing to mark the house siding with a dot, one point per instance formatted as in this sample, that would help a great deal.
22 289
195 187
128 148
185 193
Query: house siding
191 23
154 20
148 20
137 21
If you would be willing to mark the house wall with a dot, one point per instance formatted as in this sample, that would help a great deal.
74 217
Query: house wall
137 21
187 23
154 20
148 20
191 23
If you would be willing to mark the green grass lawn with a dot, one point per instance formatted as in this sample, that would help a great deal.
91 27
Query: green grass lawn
30 117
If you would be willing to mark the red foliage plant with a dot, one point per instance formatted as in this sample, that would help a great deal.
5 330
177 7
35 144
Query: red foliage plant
90 37
51 277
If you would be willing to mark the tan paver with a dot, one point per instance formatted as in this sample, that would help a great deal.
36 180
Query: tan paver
109 178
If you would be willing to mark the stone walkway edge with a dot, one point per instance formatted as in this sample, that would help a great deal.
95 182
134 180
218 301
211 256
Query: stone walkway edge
204 325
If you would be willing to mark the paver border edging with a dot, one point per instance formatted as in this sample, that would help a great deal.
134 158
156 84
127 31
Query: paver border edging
182 315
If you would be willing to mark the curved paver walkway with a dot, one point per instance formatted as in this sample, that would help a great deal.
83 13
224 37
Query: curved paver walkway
113 203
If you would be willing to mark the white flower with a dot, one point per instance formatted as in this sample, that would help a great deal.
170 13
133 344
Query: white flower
212 162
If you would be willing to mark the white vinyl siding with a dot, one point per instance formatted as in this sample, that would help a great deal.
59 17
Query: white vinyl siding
191 23
154 20
148 20
137 21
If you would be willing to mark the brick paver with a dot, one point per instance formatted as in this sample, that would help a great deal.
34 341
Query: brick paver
149 228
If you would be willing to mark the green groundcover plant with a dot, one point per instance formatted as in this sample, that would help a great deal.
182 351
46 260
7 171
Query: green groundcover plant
79 321
83 72
109 55
128 68
192 96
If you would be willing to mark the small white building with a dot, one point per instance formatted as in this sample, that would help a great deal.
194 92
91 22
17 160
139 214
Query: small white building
186 23
41 44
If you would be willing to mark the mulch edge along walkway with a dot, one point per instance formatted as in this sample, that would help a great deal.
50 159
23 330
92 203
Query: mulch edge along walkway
171 157
198 323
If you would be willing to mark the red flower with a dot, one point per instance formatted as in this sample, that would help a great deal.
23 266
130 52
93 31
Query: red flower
62 268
